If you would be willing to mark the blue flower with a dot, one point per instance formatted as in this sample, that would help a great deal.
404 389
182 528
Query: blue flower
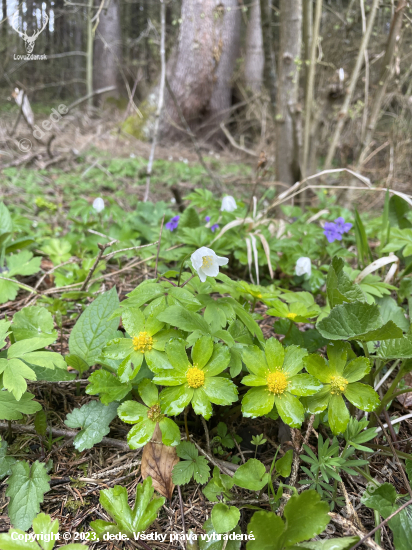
214 227
331 232
173 223
207 219
342 226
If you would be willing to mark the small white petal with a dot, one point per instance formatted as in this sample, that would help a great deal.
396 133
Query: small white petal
202 276
222 260
211 270
228 204
98 204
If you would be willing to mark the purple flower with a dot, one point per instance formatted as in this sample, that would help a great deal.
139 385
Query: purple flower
342 226
214 227
173 223
207 219
331 232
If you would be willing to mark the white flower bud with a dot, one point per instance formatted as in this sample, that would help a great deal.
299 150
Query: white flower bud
228 204
98 204
303 266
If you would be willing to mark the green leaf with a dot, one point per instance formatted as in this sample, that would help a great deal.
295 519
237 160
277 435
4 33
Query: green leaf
42 524
338 414
8 290
6 462
77 363
251 475
385 500
343 543
6 225
398 348
4 332
284 465
400 239
267 529
45 528
390 311
306 516
362 244
364 397
398 210
18 244
93 330
31 322
11 409
340 288
189 218
14 374
94 419
357 321
26 488
143 294
108 386
23 263
40 423
224 518
178 316
219 484
257 402
55 375
22 348
408 468
210 540
128 520
246 319
191 465
290 409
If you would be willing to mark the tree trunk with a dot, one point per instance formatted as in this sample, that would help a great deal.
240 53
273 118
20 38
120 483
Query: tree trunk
254 60
288 127
269 70
108 48
202 65
227 37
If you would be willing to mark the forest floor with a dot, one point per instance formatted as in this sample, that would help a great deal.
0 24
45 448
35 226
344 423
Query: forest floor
84 161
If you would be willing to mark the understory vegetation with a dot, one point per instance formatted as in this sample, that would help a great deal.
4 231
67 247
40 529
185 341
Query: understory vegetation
241 363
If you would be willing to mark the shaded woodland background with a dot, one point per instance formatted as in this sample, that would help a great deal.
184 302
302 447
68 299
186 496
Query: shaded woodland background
302 85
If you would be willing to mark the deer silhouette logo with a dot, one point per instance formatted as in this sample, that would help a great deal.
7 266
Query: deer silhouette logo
29 41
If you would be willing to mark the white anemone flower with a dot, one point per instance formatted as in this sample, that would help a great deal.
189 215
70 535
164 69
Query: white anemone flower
228 204
98 204
303 266
206 262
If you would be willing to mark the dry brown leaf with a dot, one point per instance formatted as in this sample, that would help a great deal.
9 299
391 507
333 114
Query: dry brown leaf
157 462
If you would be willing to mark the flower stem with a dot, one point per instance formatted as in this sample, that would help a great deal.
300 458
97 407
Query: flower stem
186 426
181 268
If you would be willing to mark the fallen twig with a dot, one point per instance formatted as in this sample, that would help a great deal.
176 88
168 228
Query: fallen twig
382 523
57 432
347 524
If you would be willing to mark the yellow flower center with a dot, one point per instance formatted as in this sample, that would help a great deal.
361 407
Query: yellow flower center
207 261
143 342
195 377
338 385
155 414
291 316
277 382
